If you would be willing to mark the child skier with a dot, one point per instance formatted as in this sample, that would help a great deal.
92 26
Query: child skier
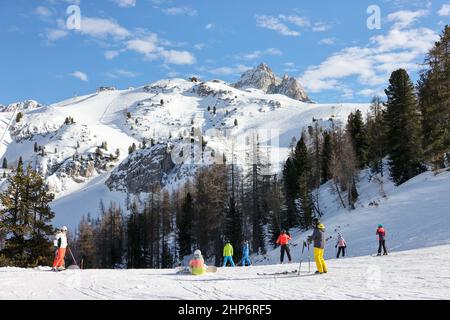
246 254
341 245
228 254
283 240
381 233
318 237
60 244
197 264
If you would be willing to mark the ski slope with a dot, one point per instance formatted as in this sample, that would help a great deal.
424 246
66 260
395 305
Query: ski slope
409 275
415 215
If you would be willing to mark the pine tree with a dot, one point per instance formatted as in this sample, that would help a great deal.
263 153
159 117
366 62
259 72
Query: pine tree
357 132
35 147
290 178
434 102
26 216
185 221
303 169
5 163
403 128
376 150
327 151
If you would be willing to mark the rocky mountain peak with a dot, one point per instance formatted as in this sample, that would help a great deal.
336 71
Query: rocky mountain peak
263 78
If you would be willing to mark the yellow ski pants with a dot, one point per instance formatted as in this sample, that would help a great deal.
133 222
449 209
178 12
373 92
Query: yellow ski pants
320 262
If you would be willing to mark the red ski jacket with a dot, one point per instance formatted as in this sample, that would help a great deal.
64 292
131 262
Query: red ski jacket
381 233
283 239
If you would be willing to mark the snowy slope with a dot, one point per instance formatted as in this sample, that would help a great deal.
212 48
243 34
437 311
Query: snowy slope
415 215
409 275
103 117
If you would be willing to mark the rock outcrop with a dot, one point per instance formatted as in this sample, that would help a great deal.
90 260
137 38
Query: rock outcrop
263 78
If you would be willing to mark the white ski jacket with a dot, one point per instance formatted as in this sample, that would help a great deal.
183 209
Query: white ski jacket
60 240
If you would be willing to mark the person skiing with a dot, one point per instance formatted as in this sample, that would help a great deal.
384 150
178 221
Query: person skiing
60 244
283 241
246 254
197 264
228 254
341 245
381 233
318 236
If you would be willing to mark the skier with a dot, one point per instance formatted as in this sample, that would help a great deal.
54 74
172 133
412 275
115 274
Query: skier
381 233
60 244
318 237
341 245
246 254
283 240
197 264
228 254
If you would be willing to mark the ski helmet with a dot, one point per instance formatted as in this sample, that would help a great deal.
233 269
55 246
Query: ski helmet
283 231
380 226
315 221
63 228
197 253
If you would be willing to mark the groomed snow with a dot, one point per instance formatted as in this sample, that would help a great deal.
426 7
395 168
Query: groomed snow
415 274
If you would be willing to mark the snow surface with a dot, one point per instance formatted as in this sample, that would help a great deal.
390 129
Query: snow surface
416 217
411 275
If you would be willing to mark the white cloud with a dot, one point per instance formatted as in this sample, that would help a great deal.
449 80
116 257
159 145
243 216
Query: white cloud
209 26
297 20
101 28
225 71
273 23
145 45
43 12
121 73
259 53
126 73
199 46
152 49
177 57
80 75
444 11
414 39
405 18
370 65
180 11
111 54
321 26
328 41
56 34
125 3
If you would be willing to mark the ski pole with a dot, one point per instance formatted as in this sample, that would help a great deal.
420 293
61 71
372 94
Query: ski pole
70 251
309 260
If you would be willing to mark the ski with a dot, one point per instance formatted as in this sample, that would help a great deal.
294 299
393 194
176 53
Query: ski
278 273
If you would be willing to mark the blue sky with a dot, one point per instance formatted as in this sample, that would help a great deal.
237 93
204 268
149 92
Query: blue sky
325 44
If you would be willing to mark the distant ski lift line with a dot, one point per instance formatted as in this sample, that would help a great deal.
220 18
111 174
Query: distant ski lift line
9 124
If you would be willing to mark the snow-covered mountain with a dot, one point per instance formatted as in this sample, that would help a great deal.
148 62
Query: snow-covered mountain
25 105
263 78
81 144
